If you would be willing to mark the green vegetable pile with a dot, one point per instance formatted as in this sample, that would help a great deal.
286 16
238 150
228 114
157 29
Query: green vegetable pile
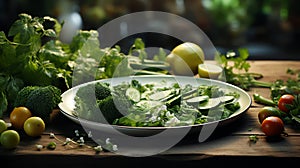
153 104
31 54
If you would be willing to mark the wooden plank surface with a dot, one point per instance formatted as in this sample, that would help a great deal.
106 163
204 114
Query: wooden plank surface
231 141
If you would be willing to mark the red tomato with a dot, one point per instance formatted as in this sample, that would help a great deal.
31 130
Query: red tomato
272 126
285 99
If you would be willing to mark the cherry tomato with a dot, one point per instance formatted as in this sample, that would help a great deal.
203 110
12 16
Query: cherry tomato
284 100
266 112
272 126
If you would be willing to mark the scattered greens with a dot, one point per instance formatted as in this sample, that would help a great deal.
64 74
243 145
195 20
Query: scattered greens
253 138
153 104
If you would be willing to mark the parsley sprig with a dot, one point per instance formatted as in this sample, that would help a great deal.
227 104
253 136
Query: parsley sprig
236 70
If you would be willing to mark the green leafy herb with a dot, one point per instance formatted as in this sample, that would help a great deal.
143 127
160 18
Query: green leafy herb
236 70
161 56
138 47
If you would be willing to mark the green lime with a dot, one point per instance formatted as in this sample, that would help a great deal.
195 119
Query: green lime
3 126
9 139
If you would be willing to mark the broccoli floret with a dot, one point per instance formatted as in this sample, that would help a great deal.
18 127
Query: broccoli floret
94 100
102 90
22 95
86 95
40 100
113 107
90 93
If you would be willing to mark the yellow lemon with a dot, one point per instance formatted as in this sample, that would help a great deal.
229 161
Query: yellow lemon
209 70
34 126
185 58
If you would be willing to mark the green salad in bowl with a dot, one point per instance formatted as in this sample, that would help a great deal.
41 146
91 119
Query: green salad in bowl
154 104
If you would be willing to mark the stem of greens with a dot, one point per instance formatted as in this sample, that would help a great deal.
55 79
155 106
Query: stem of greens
257 83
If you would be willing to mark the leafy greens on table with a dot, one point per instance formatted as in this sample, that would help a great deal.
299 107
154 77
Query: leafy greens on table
154 104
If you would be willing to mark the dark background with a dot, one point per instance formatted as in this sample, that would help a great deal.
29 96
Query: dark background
270 29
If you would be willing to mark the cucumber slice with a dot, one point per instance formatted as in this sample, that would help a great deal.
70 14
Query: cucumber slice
226 99
197 100
160 95
149 103
190 92
211 103
133 94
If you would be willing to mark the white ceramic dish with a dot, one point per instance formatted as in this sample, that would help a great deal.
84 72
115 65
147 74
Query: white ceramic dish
68 104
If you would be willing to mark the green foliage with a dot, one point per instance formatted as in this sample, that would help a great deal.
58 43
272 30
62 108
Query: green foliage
9 88
139 48
32 55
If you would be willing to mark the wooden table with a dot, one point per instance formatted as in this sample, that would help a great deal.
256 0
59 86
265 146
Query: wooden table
228 145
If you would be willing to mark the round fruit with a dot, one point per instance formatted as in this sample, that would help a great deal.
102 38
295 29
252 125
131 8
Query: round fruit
209 71
34 126
284 100
9 139
3 126
266 112
272 126
185 58
18 116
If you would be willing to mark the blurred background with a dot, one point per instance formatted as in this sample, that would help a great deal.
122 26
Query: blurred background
270 29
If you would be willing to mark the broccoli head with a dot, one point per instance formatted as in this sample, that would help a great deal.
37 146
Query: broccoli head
113 107
40 100
102 90
23 95
92 92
